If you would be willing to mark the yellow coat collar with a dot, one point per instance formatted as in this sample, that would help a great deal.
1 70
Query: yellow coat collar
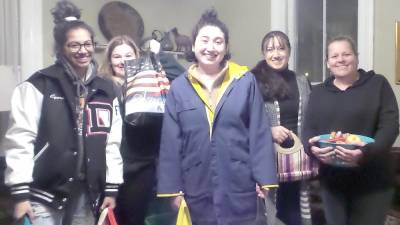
234 71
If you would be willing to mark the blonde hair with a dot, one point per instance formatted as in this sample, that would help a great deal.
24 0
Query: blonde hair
106 68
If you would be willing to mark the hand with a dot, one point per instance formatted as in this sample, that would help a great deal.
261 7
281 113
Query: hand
351 157
261 192
313 140
23 208
176 202
324 154
280 134
108 202
155 46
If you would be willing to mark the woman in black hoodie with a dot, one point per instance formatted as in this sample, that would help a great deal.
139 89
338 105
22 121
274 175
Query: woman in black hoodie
358 102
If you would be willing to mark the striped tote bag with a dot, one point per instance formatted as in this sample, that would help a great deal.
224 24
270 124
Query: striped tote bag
293 163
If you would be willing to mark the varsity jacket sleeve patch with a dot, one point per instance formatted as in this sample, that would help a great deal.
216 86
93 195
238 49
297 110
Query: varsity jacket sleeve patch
114 174
18 144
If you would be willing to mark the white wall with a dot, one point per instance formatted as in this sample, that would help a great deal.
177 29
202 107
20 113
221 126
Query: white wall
8 81
31 37
21 45
386 13
247 21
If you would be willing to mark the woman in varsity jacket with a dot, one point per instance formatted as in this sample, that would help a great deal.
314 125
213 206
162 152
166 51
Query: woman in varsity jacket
62 146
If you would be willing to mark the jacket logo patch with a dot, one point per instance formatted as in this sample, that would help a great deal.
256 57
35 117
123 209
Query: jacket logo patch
55 97
103 118
99 116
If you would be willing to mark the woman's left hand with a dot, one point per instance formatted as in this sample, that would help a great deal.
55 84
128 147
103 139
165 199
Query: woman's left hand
108 202
351 157
261 192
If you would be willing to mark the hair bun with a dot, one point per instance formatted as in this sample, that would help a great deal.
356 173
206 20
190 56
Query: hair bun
65 9
210 14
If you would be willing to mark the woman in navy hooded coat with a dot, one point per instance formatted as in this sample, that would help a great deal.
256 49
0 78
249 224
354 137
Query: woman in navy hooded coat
216 143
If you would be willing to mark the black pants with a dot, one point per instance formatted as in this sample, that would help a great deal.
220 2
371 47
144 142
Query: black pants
288 203
134 196
354 208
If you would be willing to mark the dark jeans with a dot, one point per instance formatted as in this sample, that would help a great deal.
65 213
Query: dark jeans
134 196
288 203
354 208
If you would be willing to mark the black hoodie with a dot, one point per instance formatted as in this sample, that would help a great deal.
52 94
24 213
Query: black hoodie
369 108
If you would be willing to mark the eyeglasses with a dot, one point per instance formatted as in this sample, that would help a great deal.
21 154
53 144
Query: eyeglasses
76 46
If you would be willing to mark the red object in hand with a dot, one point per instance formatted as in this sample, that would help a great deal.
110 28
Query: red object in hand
107 217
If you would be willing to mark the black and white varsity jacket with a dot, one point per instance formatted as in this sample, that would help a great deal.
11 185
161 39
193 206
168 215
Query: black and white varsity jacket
41 147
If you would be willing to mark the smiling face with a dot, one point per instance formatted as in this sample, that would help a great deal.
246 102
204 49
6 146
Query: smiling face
342 61
118 56
210 48
276 53
78 49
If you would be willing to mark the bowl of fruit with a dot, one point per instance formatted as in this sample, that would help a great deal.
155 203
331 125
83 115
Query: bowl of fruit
346 140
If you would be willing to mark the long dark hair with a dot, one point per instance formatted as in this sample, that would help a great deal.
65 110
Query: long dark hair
271 82
66 17
210 18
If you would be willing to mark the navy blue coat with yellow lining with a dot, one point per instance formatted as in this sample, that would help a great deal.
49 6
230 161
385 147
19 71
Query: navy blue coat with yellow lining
217 173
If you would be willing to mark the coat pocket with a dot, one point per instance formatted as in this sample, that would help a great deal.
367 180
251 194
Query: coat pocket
185 105
242 206
240 166
193 172
190 163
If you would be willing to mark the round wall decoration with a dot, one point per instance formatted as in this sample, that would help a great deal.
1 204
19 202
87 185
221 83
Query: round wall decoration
118 18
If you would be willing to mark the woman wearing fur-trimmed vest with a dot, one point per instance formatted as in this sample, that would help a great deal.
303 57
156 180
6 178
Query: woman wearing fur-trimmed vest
286 95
